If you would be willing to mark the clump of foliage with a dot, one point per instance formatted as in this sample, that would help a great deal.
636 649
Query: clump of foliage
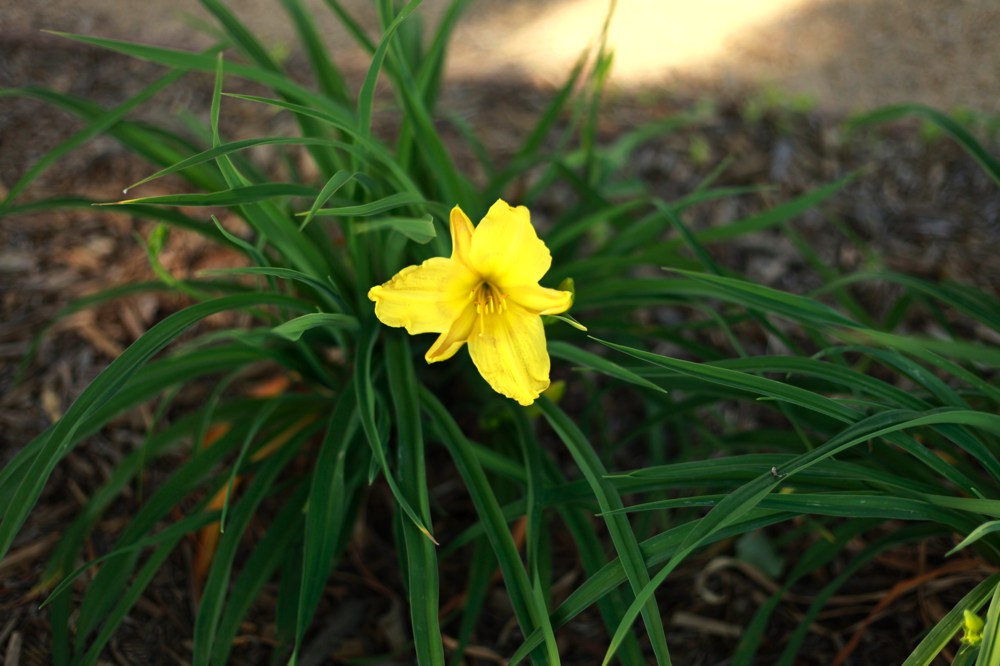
860 421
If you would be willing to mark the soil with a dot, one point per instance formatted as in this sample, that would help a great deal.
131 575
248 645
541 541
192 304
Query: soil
921 206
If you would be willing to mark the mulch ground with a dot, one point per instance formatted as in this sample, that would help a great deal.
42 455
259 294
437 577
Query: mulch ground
920 206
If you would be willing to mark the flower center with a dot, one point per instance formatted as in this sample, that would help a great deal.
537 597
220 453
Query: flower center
488 299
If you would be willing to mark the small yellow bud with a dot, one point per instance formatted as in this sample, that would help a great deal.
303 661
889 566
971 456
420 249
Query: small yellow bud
973 625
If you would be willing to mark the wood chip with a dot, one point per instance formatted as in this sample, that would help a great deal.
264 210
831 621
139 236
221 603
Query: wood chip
16 262
99 339
51 404
475 651
27 554
706 625
13 655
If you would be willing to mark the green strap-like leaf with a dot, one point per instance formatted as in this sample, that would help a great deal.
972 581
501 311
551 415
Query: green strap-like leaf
327 516
99 125
236 196
941 633
622 536
294 328
61 436
421 558
363 384
529 614
958 132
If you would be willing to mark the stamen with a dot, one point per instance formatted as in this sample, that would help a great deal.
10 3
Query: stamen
489 301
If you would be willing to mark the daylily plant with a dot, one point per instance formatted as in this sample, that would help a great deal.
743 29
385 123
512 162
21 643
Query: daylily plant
487 295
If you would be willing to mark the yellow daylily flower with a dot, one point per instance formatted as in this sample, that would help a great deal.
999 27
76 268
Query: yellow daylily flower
487 295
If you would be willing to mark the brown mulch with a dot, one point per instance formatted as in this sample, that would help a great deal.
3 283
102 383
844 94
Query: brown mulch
921 206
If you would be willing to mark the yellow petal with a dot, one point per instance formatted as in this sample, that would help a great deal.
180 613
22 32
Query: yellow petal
449 342
425 298
540 300
506 251
509 351
461 236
